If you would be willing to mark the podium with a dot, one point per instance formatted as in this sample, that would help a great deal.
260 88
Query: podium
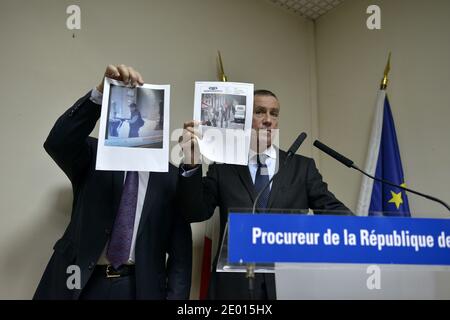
357 282
414 265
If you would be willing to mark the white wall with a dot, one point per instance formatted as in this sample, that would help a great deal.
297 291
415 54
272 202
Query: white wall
351 60
44 70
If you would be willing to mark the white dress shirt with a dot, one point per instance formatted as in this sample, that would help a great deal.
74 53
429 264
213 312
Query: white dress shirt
269 157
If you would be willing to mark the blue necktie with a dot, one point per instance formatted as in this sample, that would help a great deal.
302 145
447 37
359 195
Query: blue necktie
261 179
119 247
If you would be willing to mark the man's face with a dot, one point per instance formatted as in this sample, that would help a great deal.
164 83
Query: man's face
265 120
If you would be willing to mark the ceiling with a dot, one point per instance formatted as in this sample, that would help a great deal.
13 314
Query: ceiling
311 9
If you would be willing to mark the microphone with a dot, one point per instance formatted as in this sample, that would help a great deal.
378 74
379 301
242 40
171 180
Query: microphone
339 157
297 143
349 163
250 274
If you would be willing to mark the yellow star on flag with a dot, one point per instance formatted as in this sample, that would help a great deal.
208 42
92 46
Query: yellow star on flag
397 197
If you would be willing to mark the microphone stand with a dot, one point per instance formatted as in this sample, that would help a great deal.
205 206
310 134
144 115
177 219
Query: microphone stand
349 163
401 187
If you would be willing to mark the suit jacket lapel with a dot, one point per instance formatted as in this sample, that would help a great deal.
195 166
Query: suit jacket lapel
117 181
150 196
244 175
278 180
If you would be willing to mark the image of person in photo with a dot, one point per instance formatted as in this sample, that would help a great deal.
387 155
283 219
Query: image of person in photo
135 121
114 123
206 114
161 115
228 110
222 115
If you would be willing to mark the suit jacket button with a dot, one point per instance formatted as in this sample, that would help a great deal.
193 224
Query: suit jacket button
107 231
91 265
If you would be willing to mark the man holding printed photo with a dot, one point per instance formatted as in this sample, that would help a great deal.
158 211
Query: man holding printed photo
126 235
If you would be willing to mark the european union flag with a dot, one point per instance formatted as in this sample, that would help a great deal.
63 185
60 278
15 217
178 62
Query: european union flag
383 162
387 199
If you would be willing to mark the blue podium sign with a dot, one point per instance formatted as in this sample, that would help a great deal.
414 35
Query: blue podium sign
267 238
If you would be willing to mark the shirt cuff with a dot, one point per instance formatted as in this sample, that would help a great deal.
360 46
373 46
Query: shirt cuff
188 173
96 96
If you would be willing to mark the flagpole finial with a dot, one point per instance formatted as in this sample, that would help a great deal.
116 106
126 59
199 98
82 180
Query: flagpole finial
222 75
385 80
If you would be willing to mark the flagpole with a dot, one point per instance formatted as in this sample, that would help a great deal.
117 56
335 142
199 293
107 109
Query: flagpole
363 204
385 80
222 75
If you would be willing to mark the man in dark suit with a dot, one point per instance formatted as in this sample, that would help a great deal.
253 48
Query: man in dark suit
123 225
298 186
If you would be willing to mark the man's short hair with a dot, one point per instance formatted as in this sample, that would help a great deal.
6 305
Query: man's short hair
264 92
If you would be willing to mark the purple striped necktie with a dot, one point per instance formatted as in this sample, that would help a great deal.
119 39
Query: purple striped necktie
119 247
